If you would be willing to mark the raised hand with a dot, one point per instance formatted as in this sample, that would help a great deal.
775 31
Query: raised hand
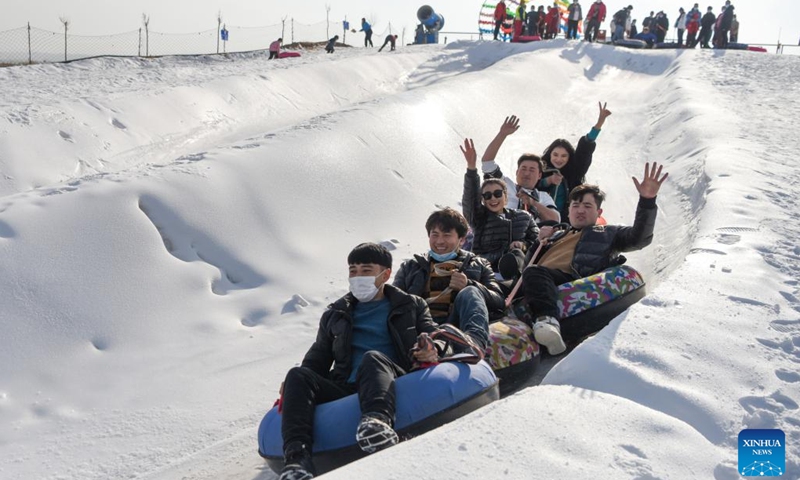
470 155
510 125
649 186
604 113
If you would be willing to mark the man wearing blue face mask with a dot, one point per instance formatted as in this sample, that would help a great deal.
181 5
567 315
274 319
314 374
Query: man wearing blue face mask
367 337
459 286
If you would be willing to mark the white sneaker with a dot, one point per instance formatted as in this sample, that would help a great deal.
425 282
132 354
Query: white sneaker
547 332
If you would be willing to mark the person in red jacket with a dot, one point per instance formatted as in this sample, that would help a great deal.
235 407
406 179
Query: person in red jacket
595 17
499 17
275 48
692 26
552 22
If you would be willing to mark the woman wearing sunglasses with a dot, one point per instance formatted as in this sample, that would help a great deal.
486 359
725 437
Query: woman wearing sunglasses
501 235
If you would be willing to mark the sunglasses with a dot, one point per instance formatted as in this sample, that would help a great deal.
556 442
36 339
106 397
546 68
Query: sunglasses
495 194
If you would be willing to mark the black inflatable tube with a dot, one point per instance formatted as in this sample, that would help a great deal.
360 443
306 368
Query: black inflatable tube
333 459
511 378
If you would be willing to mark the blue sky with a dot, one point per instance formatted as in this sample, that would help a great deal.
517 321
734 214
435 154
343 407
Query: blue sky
760 20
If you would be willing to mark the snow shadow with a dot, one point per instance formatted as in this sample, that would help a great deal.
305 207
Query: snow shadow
187 243
6 231
604 56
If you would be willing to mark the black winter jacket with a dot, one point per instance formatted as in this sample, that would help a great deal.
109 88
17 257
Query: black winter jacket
599 246
727 18
574 173
708 20
413 275
408 317
494 233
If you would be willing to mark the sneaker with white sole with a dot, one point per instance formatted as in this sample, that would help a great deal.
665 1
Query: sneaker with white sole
547 332
375 433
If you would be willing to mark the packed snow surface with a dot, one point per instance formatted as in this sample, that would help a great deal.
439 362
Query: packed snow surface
171 230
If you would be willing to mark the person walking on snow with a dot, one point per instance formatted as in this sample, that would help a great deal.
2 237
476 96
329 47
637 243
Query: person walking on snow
275 48
575 15
595 17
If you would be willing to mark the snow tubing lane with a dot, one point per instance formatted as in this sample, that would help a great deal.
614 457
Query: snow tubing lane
426 399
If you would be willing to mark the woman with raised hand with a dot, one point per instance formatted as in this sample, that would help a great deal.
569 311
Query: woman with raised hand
501 235
566 166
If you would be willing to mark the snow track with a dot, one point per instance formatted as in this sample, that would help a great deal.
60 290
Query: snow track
172 229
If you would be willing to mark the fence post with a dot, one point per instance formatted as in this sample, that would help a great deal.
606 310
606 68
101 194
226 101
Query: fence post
327 21
66 27
292 29
30 61
146 21
140 41
219 22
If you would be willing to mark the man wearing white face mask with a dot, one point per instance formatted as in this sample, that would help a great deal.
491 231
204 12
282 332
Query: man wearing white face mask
367 337
459 286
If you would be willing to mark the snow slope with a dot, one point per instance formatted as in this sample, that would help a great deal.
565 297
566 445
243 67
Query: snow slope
172 229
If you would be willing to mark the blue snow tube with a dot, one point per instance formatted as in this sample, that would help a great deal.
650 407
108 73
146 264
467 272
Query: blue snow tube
426 399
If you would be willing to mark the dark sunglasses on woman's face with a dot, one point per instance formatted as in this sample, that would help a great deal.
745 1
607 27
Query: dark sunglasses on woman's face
494 193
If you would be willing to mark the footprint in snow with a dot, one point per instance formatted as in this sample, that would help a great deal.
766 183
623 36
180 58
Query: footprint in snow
66 136
116 123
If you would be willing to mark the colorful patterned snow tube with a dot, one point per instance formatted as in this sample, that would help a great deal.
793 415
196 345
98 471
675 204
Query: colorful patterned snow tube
512 353
589 304
426 399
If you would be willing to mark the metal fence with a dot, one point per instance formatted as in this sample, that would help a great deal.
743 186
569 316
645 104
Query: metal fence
34 45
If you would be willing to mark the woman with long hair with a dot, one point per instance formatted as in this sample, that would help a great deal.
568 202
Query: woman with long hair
566 166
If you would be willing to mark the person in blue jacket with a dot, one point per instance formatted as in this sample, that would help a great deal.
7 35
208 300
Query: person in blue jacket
367 29
647 36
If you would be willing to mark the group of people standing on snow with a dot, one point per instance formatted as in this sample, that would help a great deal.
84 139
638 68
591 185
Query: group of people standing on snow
707 30
380 331
547 21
